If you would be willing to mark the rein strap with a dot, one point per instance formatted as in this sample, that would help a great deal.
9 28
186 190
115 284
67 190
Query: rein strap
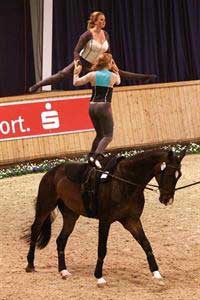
124 180
185 186
147 188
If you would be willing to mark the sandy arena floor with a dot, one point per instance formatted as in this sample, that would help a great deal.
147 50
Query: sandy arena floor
174 233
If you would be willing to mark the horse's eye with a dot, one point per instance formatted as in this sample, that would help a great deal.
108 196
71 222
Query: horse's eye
176 174
163 166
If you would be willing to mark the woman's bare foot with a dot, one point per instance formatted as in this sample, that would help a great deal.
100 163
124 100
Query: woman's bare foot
33 88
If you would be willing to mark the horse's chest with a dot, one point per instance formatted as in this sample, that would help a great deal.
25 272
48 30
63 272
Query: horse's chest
123 209
133 206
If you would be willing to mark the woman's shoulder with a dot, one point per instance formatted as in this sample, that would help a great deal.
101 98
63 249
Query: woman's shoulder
106 35
86 34
91 74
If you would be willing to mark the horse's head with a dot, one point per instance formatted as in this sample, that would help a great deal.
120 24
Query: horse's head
167 173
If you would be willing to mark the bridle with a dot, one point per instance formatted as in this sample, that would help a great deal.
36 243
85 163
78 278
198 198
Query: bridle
149 186
163 174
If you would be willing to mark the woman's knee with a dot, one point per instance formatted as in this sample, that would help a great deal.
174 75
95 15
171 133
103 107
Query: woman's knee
61 74
66 71
99 137
108 137
108 133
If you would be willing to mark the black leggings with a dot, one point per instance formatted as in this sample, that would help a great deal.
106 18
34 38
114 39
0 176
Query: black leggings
102 119
68 72
64 73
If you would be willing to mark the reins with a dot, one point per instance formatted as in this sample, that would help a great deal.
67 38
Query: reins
147 188
185 186
179 188
126 181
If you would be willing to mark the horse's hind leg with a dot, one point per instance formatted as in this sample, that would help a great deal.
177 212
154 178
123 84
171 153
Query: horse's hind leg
41 227
35 232
134 226
102 249
69 221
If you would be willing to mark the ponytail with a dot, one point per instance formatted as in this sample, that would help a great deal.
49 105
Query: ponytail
102 62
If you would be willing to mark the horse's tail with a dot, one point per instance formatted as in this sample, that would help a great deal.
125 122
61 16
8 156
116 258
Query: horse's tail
45 204
43 234
45 231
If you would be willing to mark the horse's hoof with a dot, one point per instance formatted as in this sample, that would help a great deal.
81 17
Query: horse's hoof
158 278
30 269
156 274
160 282
65 273
101 282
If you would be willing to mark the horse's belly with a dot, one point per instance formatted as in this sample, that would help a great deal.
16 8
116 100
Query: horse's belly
70 193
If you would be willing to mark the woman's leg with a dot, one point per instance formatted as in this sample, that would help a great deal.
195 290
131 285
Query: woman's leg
60 75
137 76
106 120
101 116
93 113
64 73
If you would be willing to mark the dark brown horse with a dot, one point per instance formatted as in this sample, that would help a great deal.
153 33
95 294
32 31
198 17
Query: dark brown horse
119 199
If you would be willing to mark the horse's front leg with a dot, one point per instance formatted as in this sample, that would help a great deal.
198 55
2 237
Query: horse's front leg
134 226
102 249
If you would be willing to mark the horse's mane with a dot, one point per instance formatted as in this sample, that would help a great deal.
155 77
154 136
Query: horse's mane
148 154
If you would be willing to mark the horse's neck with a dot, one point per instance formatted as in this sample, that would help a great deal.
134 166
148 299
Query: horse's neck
141 170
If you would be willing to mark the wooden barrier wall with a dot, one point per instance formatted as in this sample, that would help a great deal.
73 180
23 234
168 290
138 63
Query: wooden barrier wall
144 115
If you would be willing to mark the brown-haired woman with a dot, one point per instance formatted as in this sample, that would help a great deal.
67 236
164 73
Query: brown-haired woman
102 81
92 43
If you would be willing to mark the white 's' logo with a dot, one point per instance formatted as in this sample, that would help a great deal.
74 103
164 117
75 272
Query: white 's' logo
50 119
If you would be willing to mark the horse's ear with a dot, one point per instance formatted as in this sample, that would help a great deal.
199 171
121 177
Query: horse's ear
182 154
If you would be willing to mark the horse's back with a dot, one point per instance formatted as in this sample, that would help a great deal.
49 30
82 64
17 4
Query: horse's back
77 172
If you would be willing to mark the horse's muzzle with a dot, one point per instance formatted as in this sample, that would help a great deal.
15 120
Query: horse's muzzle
166 199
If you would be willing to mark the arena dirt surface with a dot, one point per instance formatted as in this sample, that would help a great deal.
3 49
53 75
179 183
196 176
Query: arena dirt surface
174 233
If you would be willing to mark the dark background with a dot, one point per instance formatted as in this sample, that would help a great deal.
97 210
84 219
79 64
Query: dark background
147 36
16 50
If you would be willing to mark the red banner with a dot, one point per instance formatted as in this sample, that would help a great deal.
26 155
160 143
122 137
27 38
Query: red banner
27 119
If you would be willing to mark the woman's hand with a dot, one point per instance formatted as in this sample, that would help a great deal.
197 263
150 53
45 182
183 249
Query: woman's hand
114 67
77 67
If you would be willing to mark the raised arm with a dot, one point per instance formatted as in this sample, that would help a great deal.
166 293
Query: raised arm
117 79
77 81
